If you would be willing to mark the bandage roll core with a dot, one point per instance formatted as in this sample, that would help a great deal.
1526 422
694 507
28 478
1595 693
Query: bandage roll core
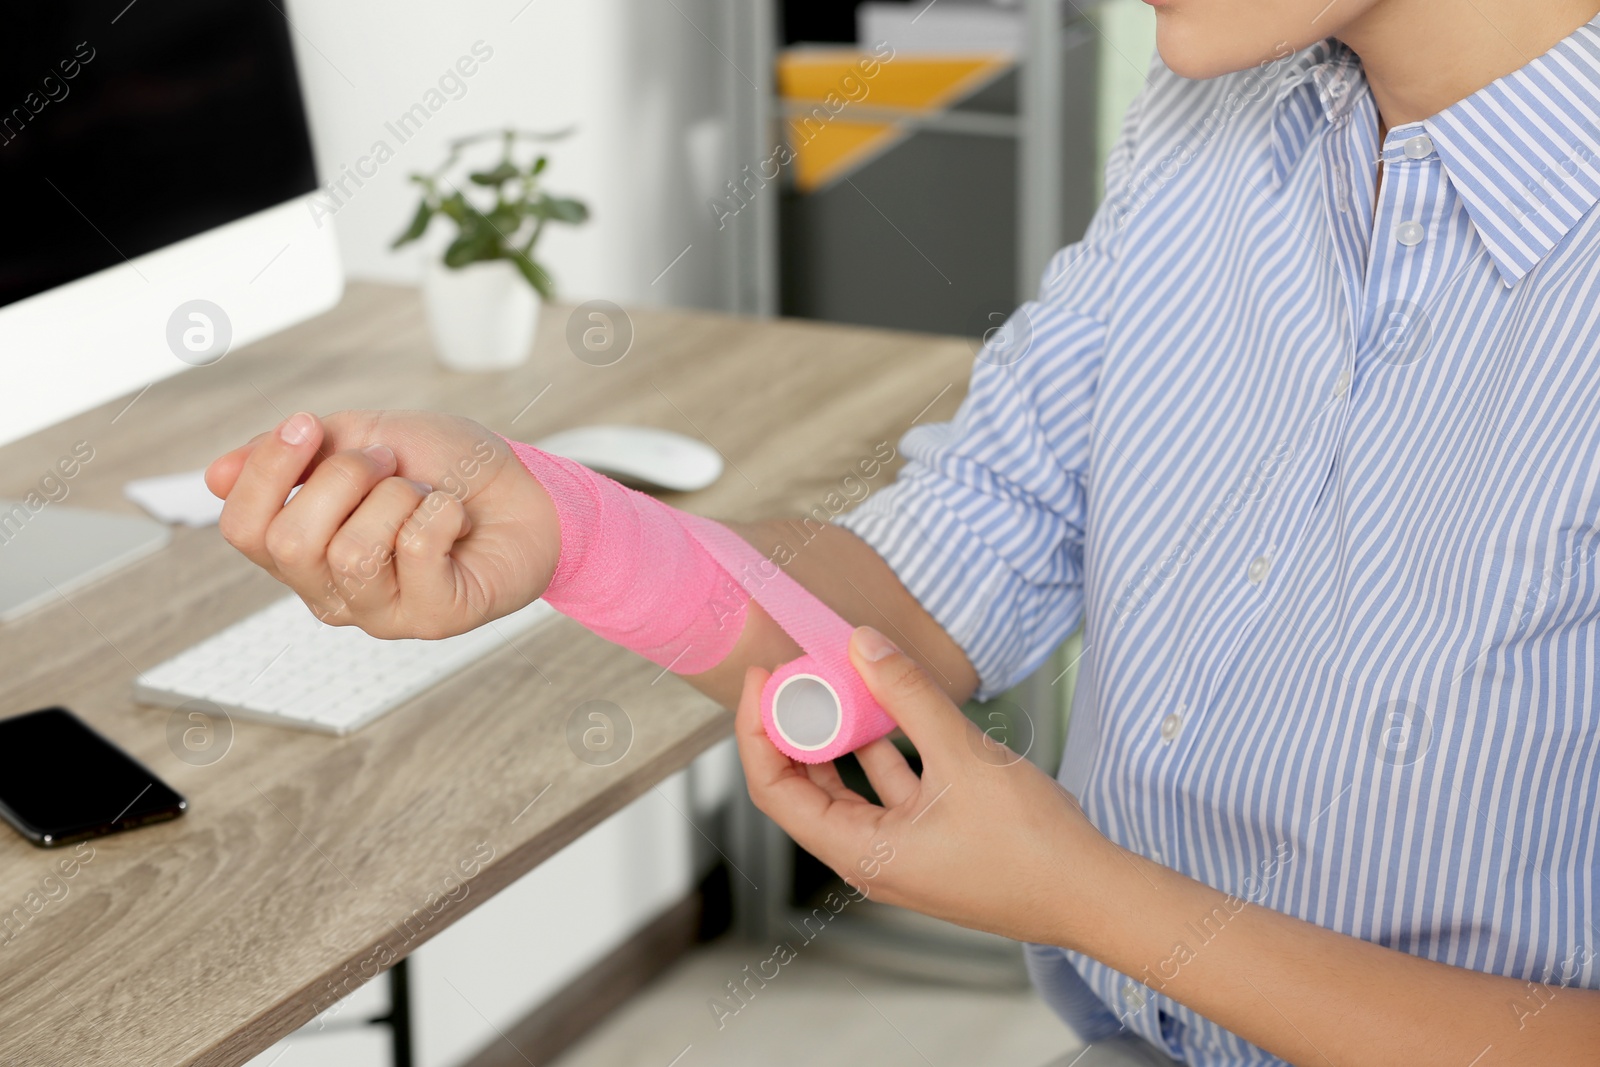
803 707
815 714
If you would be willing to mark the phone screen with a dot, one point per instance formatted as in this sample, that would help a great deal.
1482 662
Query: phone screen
60 781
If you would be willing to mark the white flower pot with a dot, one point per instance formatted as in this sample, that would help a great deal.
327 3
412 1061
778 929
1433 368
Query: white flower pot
482 316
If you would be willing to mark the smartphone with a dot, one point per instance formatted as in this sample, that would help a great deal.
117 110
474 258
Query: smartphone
61 782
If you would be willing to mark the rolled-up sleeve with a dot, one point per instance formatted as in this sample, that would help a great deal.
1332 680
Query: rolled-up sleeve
985 523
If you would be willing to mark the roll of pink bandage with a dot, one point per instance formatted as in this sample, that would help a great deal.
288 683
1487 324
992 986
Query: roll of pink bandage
815 708
674 588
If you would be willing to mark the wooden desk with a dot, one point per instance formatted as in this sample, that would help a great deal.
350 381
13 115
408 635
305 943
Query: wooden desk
305 861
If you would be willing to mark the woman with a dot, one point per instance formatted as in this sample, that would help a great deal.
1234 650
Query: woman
1304 433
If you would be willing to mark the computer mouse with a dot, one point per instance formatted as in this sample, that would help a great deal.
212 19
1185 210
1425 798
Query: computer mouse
639 455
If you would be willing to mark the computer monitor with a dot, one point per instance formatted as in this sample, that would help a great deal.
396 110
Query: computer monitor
155 164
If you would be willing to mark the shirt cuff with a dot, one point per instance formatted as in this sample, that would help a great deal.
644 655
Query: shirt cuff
1069 996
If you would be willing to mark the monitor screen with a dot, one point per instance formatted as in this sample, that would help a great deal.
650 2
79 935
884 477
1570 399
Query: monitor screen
125 127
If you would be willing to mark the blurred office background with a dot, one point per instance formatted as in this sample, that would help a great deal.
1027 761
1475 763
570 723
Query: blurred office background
674 101
927 200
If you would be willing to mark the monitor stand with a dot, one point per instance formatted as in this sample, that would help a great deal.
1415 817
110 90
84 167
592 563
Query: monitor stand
49 552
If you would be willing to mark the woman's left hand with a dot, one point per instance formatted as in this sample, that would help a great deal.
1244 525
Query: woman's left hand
986 840
983 838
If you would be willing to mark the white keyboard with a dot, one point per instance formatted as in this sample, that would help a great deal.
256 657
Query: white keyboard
283 665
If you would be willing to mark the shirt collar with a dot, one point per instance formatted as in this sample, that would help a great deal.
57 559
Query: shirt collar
1523 153
1317 89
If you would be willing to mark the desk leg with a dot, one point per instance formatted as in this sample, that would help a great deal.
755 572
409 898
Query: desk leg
764 856
398 1018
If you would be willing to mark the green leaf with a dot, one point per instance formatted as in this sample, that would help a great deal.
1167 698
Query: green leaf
505 219
536 275
419 223
563 209
456 207
473 224
498 176
474 245
538 166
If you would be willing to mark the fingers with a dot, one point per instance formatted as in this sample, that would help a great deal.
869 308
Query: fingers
904 690
297 541
423 563
262 484
341 431
891 776
361 554
826 775
224 470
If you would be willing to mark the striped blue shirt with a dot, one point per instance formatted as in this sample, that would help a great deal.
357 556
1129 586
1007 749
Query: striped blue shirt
1316 465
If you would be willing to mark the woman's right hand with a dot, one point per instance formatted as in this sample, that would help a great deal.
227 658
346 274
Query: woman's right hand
407 524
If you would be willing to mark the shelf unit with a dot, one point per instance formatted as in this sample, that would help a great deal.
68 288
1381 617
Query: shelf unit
754 114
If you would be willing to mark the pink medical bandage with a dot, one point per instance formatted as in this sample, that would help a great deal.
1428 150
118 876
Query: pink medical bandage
674 587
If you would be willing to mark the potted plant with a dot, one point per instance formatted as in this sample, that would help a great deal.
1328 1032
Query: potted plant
482 297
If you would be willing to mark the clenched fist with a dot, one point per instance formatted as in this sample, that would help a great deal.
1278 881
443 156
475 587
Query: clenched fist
406 524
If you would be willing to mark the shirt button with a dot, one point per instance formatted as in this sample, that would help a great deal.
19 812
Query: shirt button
1419 147
1257 571
1341 383
1409 233
1132 997
1170 727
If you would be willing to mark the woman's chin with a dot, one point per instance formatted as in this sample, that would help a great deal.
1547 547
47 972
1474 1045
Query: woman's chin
1203 51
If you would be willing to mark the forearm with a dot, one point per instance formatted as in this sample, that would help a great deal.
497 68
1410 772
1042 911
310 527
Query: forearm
1313 996
643 574
847 575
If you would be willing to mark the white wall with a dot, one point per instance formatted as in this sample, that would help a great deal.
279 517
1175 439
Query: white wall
1127 45
636 77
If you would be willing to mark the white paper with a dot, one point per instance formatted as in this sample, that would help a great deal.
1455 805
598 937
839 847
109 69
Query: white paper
176 498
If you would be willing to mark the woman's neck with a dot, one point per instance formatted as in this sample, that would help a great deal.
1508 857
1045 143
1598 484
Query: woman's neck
1421 56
